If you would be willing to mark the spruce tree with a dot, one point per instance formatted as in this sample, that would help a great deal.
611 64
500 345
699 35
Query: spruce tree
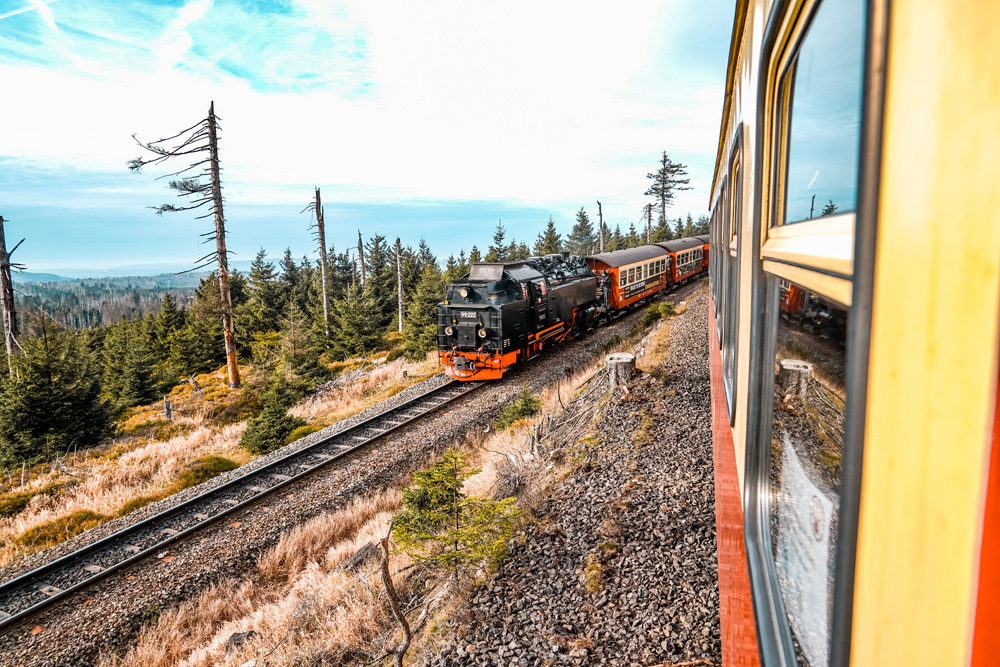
581 239
354 332
617 240
498 250
669 177
53 400
632 240
443 527
420 324
474 256
549 241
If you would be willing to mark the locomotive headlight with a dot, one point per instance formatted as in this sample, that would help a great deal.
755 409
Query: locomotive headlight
464 293
482 333
449 331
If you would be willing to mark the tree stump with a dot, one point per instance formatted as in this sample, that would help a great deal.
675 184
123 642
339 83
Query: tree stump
621 368
168 409
793 377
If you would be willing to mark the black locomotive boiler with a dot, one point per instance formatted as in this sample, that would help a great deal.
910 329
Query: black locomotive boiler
502 313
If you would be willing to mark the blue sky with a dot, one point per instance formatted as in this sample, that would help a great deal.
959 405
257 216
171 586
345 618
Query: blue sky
431 119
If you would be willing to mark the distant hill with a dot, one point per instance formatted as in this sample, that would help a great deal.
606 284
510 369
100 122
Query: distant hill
124 271
32 277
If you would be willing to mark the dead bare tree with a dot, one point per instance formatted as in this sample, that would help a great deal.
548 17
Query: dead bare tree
399 650
361 258
600 224
316 207
7 311
201 141
399 282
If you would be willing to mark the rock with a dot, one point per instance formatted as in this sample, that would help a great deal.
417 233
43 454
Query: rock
238 639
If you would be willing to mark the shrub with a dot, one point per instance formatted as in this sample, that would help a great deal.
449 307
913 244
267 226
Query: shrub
267 432
442 527
651 315
394 354
139 503
301 432
667 309
196 472
525 405
202 470
60 530
12 503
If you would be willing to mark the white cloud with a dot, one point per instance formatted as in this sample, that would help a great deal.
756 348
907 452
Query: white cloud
535 103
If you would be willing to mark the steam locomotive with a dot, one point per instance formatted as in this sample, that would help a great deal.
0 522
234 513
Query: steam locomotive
505 312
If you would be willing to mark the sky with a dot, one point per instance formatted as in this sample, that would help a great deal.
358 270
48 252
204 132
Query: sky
432 120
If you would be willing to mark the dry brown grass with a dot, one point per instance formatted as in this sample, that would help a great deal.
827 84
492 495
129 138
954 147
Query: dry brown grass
379 384
296 596
109 484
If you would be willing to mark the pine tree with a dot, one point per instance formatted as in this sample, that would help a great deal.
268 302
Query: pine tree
380 265
354 332
668 178
498 250
581 239
679 229
632 240
829 209
474 256
549 241
442 527
53 399
420 324
128 372
267 431
453 269
662 231
617 241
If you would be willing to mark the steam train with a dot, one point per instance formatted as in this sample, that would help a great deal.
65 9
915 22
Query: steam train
505 312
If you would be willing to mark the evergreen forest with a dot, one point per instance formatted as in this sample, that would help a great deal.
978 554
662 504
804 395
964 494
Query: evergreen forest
92 349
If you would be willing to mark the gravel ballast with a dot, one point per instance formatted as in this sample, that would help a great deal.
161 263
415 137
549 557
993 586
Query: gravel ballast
107 617
621 567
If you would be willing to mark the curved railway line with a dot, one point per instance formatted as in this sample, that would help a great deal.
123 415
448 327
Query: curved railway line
33 592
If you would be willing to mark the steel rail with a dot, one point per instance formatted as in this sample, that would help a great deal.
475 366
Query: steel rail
34 580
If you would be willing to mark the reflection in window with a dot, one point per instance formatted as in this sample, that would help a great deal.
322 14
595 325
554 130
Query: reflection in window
824 82
807 434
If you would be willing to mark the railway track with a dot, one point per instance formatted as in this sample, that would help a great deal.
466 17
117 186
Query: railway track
33 592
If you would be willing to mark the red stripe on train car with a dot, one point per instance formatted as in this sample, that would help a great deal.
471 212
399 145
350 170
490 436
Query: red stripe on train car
739 635
986 640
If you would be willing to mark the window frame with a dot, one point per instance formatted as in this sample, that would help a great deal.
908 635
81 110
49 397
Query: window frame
735 216
832 256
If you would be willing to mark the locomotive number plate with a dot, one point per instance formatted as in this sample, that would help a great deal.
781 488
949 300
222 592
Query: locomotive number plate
466 314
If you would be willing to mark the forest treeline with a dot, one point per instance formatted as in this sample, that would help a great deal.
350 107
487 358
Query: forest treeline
70 383
90 302
79 371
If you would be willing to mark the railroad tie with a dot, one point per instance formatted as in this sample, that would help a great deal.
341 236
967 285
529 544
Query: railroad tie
169 531
130 548
93 568
47 589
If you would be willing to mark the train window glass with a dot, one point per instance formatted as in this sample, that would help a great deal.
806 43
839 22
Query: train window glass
731 326
621 278
806 441
823 124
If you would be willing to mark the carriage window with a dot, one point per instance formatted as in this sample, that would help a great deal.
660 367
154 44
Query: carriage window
807 431
631 275
823 126
621 278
